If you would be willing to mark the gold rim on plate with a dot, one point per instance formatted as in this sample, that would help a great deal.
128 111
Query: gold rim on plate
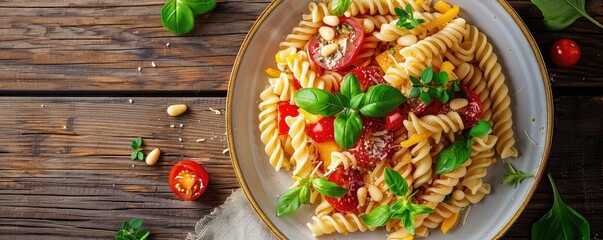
549 106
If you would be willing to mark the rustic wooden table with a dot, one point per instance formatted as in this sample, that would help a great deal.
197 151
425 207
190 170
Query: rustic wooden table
72 99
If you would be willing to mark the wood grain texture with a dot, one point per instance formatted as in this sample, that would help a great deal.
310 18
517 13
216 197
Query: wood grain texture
66 170
97 45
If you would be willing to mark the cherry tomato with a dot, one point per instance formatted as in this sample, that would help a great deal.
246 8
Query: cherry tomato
565 53
413 105
296 84
284 110
436 107
188 180
473 111
393 120
350 32
368 76
350 179
374 144
321 131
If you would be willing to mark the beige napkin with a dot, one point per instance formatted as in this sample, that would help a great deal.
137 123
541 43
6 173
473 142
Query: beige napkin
235 219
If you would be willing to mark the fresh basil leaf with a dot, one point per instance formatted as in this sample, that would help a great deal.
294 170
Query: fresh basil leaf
357 101
142 234
447 197
136 223
200 6
134 145
348 127
140 156
415 81
408 222
561 222
121 238
397 208
338 7
444 97
343 100
416 209
395 182
559 14
177 17
408 10
420 20
318 101
453 157
328 188
138 142
480 129
427 75
134 155
350 86
378 217
304 194
125 225
442 78
433 93
455 86
401 13
425 98
414 92
380 100
288 202
515 177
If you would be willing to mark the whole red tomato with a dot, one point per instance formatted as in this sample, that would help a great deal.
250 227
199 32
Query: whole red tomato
188 180
565 53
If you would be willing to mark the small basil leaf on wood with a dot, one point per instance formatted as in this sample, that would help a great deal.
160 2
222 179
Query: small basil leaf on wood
357 101
200 6
480 129
378 217
348 127
561 222
177 17
350 86
380 100
559 14
288 202
136 223
453 157
328 188
318 101
395 182
338 7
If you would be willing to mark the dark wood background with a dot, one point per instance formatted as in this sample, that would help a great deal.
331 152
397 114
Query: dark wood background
69 68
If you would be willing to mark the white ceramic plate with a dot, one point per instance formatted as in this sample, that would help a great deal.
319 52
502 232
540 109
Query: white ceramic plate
531 106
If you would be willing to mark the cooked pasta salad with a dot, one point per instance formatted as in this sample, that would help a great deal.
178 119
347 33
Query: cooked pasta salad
387 114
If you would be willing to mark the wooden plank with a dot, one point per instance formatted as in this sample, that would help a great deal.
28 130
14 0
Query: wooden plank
97 45
66 170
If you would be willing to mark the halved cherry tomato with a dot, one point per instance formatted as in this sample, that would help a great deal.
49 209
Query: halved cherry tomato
284 110
436 107
349 34
368 76
188 180
322 131
565 53
350 179
296 84
374 144
473 111
413 105
393 120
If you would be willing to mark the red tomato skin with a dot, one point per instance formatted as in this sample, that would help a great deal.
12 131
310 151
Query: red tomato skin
351 51
413 105
350 179
284 110
473 111
565 53
193 167
366 150
322 131
296 84
393 120
368 76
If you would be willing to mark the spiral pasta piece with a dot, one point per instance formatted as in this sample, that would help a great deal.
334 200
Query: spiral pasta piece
437 43
299 141
337 222
449 122
472 76
300 66
459 200
283 87
317 12
269 129
300 35
475 172
367 52
384 7
344 159
323 208
422 162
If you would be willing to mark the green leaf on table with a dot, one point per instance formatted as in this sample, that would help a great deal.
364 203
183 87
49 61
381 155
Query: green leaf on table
348 127
140 156
288 202
328 188
559 14
200 6
130 230
177 17
318 101
380 100
136 223
561 222
338 7
134 155
453 157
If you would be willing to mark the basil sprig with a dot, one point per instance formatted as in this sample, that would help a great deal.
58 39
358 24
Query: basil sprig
515 176
338 7
407 20
459 152
178 16
293 198
378 101
561 222
433 85
402 209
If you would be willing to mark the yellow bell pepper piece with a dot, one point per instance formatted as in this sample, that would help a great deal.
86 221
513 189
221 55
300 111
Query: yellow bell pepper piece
444 18
309 117
442 7
419 2
325 149
273 72
415 139
449 222
448 68
408 238
389 58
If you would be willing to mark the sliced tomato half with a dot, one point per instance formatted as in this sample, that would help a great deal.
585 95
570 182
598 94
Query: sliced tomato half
349 35
285 109
188 180
350 179
368 76
374 143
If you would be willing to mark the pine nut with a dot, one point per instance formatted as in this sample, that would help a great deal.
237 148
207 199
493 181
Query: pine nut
458 195
361 196
331 20
375 192
458 103
369 26
153 156
176 110
327 33
327 50
407 40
